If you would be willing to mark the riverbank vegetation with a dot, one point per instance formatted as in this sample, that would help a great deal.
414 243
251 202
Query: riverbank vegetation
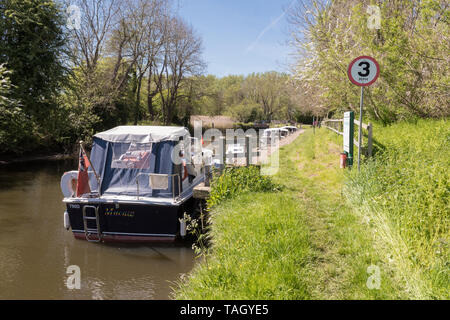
69 69
72 68
329 232
409 39
404 196
236 180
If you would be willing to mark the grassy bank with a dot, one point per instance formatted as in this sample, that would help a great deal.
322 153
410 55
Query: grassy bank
317 238
403 196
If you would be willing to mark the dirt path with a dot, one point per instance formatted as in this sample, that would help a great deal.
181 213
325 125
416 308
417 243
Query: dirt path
265 153
289 139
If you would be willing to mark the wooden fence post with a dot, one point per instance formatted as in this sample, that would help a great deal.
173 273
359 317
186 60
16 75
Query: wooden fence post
369 147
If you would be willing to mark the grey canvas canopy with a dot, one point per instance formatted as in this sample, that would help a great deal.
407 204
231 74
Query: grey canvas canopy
143 134
126 156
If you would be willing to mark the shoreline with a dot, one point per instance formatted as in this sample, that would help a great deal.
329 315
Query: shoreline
25 159
5 160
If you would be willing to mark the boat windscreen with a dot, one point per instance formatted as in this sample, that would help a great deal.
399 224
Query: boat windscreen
131 156
143 169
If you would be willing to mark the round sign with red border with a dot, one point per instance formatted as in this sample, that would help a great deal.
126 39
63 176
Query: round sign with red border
363 71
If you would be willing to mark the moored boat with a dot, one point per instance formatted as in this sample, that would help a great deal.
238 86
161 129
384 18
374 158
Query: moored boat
142 179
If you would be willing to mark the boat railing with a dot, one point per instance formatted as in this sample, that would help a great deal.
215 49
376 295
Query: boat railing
169 176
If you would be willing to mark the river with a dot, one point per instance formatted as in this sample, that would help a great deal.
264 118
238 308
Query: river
36 251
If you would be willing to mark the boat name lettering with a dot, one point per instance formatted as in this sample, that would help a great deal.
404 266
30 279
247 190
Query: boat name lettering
113 212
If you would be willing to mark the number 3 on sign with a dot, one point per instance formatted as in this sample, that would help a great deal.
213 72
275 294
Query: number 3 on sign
363 71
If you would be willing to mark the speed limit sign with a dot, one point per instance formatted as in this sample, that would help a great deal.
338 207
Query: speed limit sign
363 71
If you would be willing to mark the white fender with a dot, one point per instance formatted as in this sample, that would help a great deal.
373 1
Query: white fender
66 220
66 183
182 227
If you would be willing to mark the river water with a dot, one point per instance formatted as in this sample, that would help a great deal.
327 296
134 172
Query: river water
36 251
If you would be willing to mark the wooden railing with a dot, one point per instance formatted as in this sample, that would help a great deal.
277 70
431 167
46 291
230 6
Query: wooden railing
337 126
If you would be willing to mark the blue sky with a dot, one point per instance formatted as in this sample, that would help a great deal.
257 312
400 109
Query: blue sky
240 37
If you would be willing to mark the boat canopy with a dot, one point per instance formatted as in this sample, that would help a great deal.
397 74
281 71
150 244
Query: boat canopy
143 134
137 160
272 130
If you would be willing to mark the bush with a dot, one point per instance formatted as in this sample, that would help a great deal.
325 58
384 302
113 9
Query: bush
238 180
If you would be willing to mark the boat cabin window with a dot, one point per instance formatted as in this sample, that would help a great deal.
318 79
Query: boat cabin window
131 155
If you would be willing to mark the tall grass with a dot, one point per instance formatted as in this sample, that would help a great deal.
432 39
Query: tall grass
260 245
237 180
404 196
317 238
301 243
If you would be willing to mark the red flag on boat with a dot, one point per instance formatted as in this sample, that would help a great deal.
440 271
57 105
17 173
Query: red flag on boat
83 178
203 141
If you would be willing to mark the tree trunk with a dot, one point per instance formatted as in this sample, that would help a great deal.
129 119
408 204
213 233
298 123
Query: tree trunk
137 105
150 98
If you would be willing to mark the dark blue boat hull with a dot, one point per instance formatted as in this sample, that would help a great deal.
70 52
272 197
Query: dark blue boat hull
125 222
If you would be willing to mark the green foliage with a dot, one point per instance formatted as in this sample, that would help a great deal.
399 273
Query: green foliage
238 180
405 193
259 251
246 111
302 243
15 126
32 44
61 97
308 242
258 96
411 47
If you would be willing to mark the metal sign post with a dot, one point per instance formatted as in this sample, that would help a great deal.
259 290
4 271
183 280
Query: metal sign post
360 128
362 71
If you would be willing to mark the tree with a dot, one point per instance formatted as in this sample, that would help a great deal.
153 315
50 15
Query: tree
15 126
182 58
267 90
33 43
99 59
147 20
411 46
